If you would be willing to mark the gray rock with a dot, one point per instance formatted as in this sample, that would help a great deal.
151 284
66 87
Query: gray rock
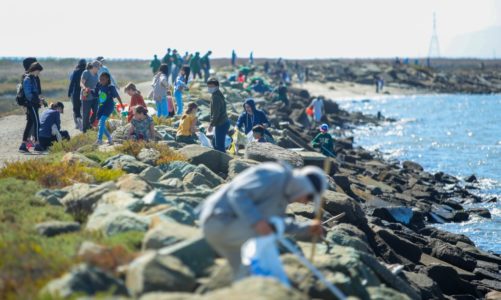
349 236
52 197
400 214
125 162
181 166
480 211
336 203
75 157
452 254
424 284
121 133
148 156
110 221
82 197
412 166
152 199
87 280
152 272
214 160
151 174
263 152
449 281
119 199
134 184
181 213
52 228
170 184
168 234
168 296
210 176
237 166
384 293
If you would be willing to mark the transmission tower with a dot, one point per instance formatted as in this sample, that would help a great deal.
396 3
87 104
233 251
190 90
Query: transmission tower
434 50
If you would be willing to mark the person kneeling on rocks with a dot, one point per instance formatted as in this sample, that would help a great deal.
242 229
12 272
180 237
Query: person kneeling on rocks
242 209
188 125
50 126
324 141
141 125
258 133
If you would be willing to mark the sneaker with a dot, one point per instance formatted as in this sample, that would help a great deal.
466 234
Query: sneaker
23 148
39 148
110 142
79 124
98 143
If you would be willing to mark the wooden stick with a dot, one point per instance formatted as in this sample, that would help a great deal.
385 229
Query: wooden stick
335 218
318 216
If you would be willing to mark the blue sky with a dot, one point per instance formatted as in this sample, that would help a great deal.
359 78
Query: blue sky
292 29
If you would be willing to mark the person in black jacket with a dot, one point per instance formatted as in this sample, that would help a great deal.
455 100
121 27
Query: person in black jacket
74 92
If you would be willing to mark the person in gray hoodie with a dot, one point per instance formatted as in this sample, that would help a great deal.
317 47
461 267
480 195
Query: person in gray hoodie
242 209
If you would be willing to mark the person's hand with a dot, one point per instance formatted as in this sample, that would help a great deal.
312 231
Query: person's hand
316 228
263 228
209 129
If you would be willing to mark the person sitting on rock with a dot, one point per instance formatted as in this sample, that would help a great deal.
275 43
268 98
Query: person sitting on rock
188 125
135 99
242 208
324 141
258 134
251 116
50 126
141 125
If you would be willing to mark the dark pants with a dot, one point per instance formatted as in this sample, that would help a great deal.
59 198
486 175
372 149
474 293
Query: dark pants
77 105
46 142
220 136
206 73
187 71
87 107
197 72
32 122
185 139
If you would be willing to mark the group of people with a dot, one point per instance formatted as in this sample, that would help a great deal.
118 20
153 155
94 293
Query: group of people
39 132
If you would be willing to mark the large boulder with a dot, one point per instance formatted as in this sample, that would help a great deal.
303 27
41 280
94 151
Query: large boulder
81 198
349 236
412 166
336 203
87 280
452 254
168 234
214 160
237 166
152 199
401 246
449 281
263 152
119 199
424 284
51 197
110 221
52 228
153 272
125 162
121 133
134 184
75 157
151 174
176 169
148 156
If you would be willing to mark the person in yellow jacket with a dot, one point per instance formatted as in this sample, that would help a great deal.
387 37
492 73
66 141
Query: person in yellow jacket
188 125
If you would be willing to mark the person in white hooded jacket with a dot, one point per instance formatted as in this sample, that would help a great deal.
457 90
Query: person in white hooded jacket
242 209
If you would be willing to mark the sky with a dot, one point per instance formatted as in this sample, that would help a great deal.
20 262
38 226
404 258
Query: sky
270 28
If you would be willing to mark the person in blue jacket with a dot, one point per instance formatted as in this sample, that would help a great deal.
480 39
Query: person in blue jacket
74 93
50 126
31 91
251 116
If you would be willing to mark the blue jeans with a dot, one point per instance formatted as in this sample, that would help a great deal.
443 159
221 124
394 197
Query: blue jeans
220 136
103 129
179 101
162 107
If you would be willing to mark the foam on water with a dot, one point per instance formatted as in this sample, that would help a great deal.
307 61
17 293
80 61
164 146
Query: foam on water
457 134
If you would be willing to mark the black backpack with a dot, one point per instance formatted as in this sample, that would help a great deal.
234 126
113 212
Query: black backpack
21 99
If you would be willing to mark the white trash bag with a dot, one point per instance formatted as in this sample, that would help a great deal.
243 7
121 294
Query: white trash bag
261 256
204 140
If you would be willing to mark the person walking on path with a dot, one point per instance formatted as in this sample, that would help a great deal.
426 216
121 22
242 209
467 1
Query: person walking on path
104 69
188 125
141 126
160 86
50 126
195 66
88 83
179 87
155 64
218 116
105 92
233 58
33 101
74 91
136 99
205 63
242 208
318 110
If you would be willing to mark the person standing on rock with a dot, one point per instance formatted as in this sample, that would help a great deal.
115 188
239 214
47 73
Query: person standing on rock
242 209
218 116
195 66
167 61
318 110
105 92
179 87
88 83
155 64
74 93
160 86
205 63
233 58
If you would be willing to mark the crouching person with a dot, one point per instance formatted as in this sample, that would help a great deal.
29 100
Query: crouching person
50 126
141 125
242 209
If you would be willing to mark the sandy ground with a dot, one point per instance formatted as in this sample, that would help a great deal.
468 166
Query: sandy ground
350 91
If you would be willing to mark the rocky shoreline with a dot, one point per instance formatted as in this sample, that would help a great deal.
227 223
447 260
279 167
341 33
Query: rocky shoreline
389 211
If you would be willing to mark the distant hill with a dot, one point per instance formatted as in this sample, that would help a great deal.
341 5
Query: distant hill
476 44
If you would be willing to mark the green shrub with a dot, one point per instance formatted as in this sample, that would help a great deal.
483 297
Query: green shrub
75 142
166 153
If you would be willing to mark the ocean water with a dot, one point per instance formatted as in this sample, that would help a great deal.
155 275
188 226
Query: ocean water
457 134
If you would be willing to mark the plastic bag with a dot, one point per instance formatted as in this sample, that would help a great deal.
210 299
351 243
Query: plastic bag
309 111
204 140
261 255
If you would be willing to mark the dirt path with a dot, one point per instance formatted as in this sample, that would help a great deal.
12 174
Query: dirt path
12 128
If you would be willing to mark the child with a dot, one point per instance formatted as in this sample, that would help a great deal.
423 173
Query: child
170 104
105 92
179 87
258 133
142 127
135 100
188 125
324 141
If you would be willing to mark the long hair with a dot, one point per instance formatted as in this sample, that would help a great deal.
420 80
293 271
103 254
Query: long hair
131 87
107 76
189 109
164 69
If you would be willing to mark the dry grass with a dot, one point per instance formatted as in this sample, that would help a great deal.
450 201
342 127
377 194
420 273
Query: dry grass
166 153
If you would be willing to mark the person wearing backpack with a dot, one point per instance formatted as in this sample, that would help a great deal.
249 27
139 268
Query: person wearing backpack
160 86
32 102
74 93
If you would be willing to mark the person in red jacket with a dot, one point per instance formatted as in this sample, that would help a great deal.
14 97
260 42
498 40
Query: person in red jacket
135 100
